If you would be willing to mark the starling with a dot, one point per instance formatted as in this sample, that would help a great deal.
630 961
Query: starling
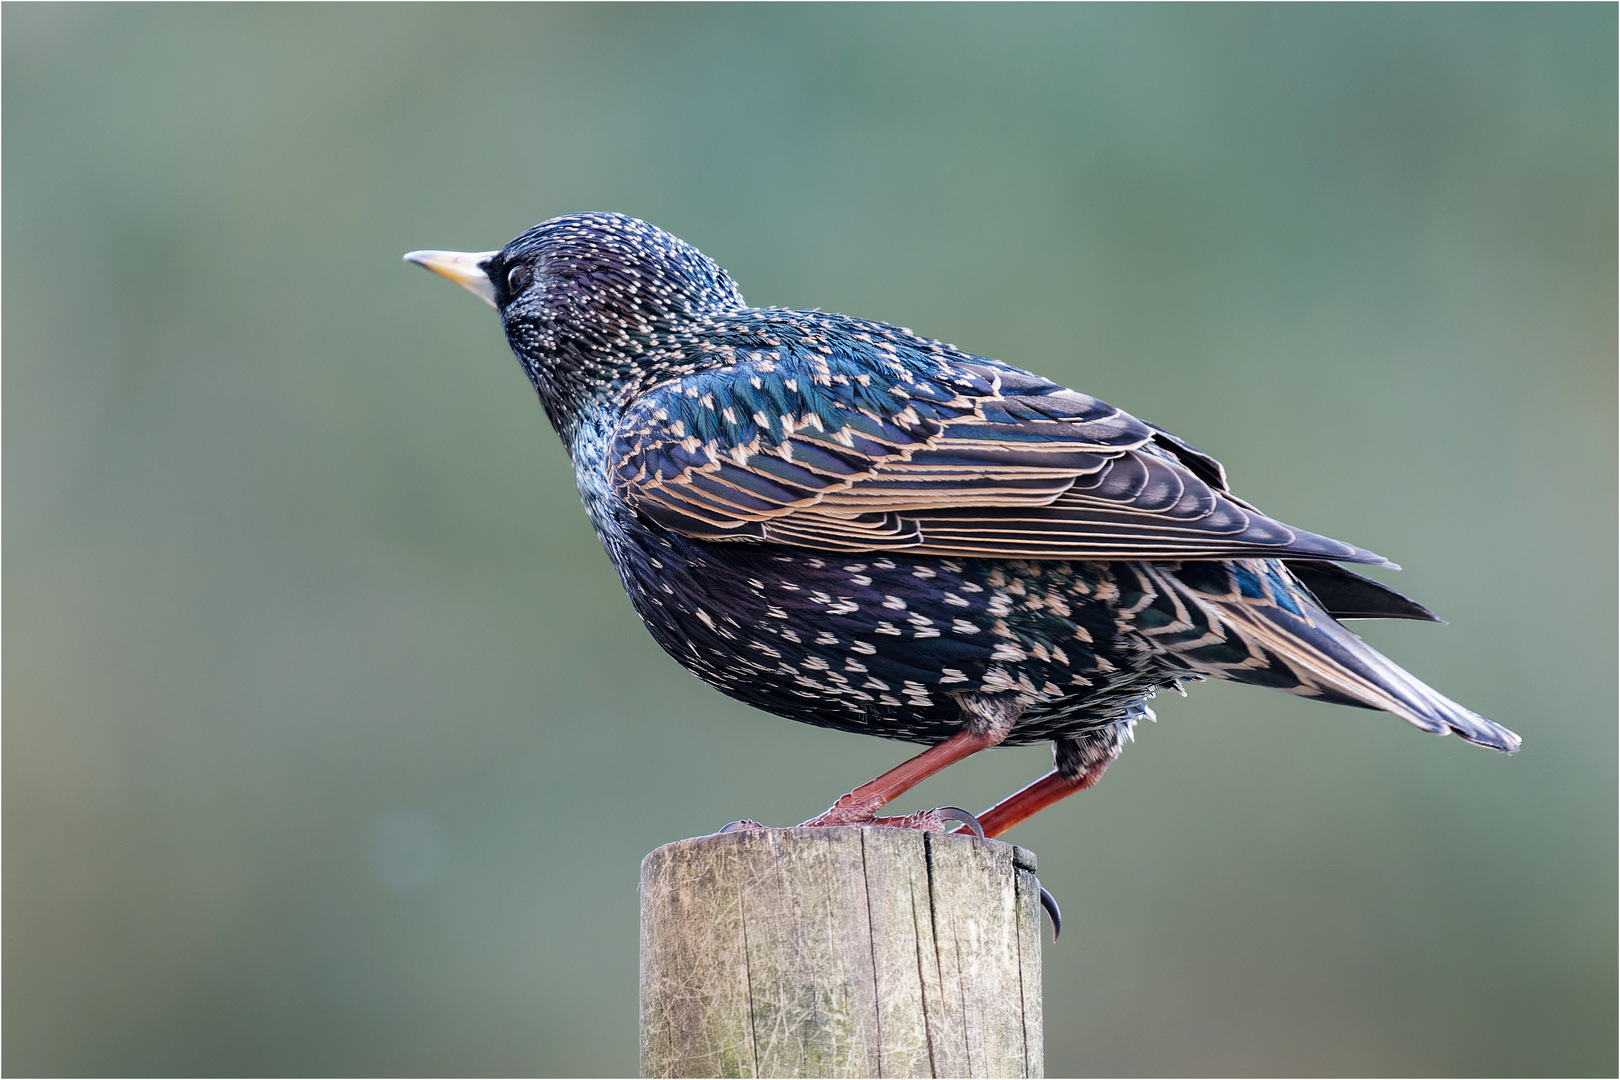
849 525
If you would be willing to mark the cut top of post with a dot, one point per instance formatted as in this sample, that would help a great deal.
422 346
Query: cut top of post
844 951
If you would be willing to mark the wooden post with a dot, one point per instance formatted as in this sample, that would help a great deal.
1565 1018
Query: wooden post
842 951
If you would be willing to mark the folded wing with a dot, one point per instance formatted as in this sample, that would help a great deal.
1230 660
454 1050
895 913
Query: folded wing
924 453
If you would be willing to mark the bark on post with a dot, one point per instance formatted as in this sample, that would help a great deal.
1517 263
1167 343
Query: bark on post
840 952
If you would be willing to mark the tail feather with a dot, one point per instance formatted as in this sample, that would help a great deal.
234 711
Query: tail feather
1334 662
1311 654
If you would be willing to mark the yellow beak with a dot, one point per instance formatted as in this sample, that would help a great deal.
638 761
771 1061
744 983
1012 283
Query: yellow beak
465 268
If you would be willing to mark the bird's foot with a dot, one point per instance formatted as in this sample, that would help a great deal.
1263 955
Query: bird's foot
739 826
934 820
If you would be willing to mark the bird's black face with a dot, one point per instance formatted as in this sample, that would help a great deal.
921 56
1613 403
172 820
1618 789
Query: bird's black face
584 298
587 300
511 283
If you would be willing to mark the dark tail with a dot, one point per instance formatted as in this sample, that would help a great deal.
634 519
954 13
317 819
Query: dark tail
1259 627
1331 662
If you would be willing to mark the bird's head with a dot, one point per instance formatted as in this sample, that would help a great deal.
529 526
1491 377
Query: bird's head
586 298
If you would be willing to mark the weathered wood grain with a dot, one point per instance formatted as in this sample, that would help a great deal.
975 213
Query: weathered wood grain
840 952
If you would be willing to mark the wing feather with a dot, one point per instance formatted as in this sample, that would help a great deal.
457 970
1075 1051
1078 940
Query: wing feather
961 457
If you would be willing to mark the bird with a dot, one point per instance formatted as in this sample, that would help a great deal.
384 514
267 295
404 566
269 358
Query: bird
844 523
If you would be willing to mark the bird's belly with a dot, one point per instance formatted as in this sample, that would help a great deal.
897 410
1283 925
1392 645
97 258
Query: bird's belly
880 643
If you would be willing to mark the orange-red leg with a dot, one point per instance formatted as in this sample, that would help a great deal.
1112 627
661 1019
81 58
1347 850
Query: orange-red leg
859 806
1027 802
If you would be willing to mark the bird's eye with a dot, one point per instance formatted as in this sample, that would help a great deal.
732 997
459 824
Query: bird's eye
517 279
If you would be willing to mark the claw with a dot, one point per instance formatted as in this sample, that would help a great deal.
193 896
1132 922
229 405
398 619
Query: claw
927 820
739 826
956 813
1049 902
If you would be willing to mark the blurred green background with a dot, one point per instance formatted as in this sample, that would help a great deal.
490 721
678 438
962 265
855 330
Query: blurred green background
331 743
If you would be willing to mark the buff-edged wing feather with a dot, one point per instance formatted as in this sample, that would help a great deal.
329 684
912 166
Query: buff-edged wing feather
931 455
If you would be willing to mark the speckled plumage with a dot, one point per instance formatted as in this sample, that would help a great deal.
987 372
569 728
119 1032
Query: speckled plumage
844 523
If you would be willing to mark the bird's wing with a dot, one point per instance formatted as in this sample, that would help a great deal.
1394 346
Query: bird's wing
840 452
